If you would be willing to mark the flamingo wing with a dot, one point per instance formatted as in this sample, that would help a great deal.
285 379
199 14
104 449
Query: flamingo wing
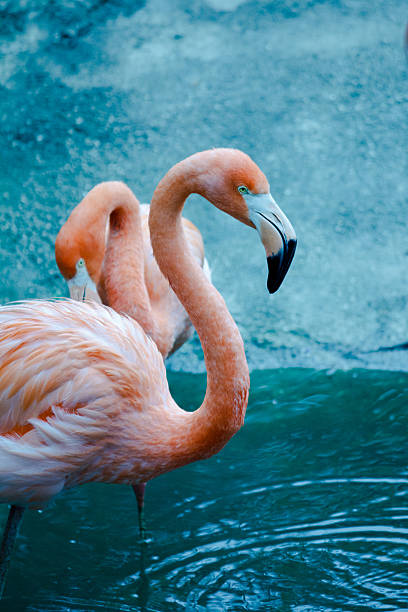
62 353
67 369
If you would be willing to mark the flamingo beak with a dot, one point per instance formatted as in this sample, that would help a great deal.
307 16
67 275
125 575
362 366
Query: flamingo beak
81 287
277 235
82 293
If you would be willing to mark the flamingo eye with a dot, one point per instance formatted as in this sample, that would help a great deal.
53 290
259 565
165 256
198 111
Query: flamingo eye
81 263
243 190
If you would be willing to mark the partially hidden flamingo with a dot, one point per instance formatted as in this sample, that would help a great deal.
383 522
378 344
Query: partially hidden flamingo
84 394
104 253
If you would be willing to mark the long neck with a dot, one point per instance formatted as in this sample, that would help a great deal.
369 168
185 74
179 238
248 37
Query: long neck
113 213
223 410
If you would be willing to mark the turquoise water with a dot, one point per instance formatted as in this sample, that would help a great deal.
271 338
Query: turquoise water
306 508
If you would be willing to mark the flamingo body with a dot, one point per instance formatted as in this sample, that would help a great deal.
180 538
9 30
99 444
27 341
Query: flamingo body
91 386
83 390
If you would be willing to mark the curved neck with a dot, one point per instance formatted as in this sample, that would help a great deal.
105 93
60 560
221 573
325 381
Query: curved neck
113 215
223 410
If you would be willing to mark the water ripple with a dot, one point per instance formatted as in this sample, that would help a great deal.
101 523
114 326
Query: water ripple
299 512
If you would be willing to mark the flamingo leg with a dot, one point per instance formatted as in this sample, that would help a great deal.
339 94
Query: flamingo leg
7 544
139 490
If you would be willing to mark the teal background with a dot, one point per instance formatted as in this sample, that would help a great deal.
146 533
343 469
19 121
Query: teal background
305 509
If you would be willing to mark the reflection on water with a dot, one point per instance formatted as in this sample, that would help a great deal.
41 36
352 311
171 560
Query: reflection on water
305 509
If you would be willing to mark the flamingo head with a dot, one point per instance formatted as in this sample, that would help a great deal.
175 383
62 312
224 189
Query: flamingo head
78 260
235 184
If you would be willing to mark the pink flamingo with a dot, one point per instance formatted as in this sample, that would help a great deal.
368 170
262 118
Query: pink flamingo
84 394
104 252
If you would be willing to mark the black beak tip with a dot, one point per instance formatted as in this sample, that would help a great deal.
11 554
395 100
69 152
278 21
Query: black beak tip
278 265
274 272
272 286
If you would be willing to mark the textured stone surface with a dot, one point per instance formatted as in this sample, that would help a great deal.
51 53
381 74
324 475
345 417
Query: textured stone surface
315 92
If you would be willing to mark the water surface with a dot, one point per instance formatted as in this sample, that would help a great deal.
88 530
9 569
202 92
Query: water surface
305 509
315 91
